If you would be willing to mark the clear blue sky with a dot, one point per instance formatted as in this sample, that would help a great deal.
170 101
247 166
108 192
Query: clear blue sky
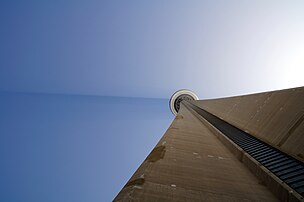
151 48
64 137
59 148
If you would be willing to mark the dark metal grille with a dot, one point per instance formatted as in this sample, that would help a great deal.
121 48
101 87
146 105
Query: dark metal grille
285 167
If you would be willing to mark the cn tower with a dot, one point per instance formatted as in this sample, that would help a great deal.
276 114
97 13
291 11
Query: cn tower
242 148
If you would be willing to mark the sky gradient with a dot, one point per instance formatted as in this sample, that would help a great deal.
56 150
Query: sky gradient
151 48
61 148
85 85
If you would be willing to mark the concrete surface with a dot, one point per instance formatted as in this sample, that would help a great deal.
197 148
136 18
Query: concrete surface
276 118
190 163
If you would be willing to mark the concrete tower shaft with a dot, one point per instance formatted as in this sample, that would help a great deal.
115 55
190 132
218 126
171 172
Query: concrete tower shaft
244 148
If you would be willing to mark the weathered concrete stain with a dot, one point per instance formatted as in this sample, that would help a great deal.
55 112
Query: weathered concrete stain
301 156
179 117
157 154
292 129
137 182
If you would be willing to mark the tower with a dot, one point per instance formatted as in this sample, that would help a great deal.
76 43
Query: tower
243 148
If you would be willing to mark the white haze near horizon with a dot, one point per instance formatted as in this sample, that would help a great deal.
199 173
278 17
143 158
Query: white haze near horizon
151 49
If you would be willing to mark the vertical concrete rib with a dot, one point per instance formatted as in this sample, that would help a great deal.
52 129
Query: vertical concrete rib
274 117
281 173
